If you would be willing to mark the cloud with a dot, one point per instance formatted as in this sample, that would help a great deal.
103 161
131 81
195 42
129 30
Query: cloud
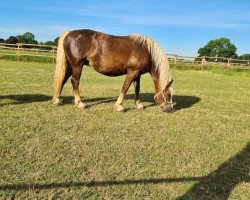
188 20
47 20
126 13
141 13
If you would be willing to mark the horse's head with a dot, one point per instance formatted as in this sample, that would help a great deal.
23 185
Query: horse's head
164 98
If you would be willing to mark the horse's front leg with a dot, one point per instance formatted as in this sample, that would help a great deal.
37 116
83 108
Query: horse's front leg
75 80
138 103
131 75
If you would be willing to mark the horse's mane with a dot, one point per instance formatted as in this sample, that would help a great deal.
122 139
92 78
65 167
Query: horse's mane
158 56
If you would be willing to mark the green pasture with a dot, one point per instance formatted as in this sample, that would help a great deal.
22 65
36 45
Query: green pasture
218 69
31 57
201 151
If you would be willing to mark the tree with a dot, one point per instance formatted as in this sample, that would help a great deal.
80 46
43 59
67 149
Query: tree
2 40
11 40
244 57
27 38
21 39
51 43
221 47
56 41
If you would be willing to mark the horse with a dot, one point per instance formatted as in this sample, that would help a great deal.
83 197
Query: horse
133 55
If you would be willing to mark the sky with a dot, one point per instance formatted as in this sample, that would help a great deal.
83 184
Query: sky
179 26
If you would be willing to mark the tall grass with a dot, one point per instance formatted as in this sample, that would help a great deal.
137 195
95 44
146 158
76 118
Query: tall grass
24 58
199 152
218 69
41 58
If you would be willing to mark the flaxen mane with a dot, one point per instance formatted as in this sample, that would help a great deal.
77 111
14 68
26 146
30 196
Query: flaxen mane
159 57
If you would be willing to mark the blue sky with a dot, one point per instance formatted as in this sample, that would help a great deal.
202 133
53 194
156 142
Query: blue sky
180 27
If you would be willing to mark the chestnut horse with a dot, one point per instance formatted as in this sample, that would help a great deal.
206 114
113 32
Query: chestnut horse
111 55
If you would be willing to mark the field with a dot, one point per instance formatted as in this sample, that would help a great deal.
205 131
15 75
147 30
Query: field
201 151
26 55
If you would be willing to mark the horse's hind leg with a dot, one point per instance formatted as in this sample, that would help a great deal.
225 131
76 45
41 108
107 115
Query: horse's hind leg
131 75
75 80
138 103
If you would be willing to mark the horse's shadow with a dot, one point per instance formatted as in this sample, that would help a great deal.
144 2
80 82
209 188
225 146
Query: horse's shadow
182 101
22 99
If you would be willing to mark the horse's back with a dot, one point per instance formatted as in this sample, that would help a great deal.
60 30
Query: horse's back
107 54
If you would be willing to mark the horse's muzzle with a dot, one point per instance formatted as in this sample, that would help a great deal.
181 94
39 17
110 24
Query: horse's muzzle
167 108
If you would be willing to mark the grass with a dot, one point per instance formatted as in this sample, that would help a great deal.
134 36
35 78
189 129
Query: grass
24 58
218 69
200 151
41 58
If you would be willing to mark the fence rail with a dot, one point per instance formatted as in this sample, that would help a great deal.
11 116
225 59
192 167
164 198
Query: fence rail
35 50
207 60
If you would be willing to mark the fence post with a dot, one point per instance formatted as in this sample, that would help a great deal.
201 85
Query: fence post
175 59
203 60
53 55
228 62
18 51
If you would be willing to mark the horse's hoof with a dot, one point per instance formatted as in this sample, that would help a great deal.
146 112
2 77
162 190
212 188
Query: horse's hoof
57 102
81 105
119 108
140 106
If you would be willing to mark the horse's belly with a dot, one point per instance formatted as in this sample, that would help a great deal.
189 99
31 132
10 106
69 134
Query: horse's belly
115 65
113 74
110 71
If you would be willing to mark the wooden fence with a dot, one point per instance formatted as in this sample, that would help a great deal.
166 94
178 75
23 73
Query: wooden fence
207 60
36 50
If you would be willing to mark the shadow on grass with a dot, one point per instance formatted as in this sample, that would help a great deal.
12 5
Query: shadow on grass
221 182
216 185
182 102
24 98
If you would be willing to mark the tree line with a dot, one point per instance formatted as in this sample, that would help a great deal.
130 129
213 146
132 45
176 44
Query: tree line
27 38
221 47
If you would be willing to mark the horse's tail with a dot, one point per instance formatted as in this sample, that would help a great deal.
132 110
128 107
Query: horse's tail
60 66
